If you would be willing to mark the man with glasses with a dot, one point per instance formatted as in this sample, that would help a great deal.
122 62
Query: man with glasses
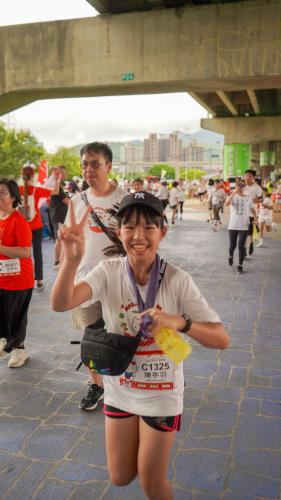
104 199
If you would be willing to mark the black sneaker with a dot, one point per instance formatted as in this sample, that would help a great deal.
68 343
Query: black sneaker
240 269
230 261
251 248
94 395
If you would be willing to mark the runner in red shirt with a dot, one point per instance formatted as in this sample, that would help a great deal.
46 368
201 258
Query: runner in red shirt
16 274
34 194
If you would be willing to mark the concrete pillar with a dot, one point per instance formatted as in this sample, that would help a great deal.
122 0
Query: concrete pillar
237 158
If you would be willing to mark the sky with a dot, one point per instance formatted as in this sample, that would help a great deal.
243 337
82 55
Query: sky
67 122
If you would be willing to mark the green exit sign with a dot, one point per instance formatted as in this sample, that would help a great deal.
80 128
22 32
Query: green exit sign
127 76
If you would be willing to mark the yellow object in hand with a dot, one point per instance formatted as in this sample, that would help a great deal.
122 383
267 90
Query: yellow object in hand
172 344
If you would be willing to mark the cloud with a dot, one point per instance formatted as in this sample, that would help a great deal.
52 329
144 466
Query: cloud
72 121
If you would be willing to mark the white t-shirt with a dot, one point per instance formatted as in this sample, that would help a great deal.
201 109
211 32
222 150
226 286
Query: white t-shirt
181 194
163 193
201 188
173 197
96 241
240 212
254 191
152 385
217 196
209 190
265 211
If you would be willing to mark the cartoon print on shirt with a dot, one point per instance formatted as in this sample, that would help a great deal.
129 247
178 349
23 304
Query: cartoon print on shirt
130 323
131 370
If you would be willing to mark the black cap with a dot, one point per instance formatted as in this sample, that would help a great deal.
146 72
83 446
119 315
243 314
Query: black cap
141 198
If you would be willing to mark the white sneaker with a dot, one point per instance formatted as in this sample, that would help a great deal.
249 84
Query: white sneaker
3 343
260 244
18 358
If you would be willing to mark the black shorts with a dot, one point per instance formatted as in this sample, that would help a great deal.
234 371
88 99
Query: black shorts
164 424
251 226
164 203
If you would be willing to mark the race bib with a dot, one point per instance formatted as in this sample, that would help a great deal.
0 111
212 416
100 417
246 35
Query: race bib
9 267
149 372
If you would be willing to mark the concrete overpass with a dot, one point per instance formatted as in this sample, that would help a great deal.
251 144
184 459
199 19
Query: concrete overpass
227 55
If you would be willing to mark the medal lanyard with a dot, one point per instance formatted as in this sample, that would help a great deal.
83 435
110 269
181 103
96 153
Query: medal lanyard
153 285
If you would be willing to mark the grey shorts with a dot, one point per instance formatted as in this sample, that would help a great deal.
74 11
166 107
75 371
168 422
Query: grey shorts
84 316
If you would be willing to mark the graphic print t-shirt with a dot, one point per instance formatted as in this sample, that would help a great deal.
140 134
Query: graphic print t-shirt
152 385
96 241
240 212
15 232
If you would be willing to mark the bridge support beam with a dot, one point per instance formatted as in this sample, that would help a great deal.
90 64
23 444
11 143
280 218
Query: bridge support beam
245 130
220 48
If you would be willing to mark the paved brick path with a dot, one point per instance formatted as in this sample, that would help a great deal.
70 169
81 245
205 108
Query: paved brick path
229 445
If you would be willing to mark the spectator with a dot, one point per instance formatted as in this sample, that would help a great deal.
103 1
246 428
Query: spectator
137 185
58 210
173 200
31 195
16 274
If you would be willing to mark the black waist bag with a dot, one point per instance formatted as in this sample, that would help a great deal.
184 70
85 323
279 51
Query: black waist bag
107 353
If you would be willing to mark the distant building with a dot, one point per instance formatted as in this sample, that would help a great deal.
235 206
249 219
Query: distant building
162 148
175 149
131 153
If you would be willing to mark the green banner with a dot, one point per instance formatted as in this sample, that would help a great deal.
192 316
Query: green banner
237 158
267 158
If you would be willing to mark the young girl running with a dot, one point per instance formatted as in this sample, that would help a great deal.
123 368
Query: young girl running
143 409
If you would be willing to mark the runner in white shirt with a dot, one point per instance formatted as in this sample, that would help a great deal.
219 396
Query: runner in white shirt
136 407
217 198
173 200
163 195
241 207
254 191
104 199
265 215
181 197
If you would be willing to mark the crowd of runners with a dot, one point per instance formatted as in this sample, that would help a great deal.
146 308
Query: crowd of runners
109 271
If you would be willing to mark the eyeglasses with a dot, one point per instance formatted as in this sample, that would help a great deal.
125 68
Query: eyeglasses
92 163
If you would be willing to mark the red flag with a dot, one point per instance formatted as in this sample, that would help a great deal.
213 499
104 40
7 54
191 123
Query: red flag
42 172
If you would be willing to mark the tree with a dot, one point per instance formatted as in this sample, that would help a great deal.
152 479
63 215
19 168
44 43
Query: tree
158 167
16 148
67 157
191 174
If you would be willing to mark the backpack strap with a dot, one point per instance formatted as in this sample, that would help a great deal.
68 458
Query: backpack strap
109 233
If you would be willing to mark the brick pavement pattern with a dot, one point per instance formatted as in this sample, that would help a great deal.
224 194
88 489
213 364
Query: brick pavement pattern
229 445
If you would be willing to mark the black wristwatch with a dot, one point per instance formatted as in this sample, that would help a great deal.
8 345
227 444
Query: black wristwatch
188 323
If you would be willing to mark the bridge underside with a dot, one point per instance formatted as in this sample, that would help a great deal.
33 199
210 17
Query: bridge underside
227 55
121 6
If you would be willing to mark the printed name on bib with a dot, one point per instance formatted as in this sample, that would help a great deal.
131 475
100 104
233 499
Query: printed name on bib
149 372
9 267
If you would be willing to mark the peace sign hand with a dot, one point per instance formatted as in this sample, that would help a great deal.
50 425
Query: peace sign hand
72 236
